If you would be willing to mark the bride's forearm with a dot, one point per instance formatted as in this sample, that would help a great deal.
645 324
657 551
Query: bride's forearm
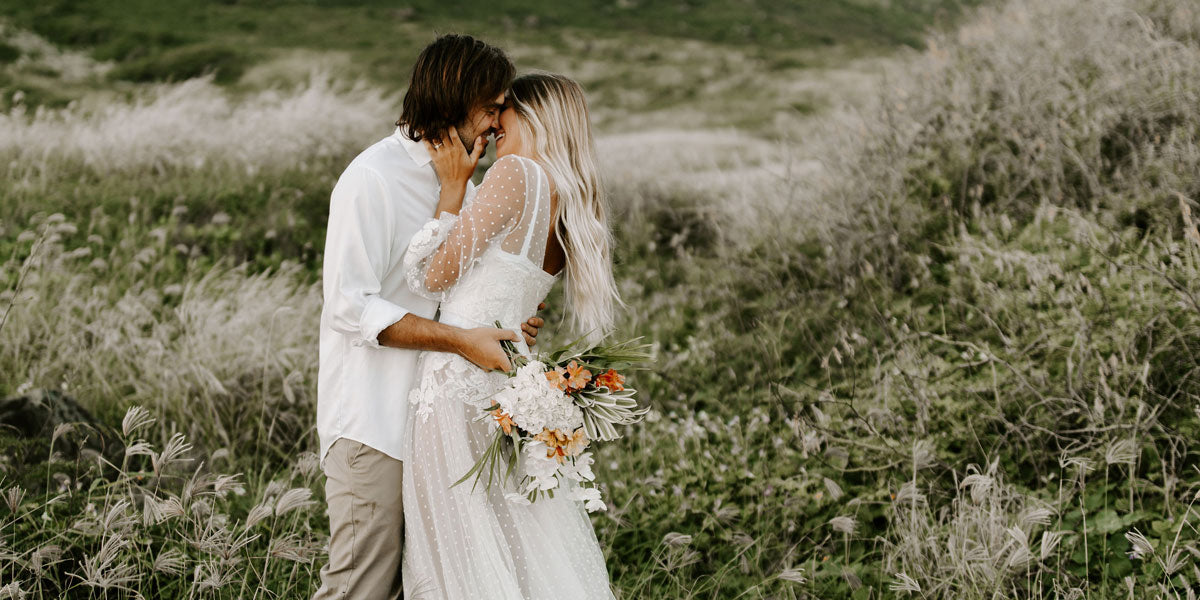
451 198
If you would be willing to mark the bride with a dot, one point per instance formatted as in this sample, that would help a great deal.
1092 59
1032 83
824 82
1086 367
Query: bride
538 215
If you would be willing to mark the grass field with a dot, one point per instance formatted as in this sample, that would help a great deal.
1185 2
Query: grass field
926 313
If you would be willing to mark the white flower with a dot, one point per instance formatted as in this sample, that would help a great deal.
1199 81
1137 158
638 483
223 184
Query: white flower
582 469
535 404
590 497
539 467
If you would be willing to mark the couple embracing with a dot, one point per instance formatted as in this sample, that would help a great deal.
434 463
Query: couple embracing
410 238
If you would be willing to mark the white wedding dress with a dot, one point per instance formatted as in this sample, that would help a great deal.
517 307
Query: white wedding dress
462 544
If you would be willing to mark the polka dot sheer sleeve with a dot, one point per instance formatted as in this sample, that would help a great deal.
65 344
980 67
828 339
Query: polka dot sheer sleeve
447 246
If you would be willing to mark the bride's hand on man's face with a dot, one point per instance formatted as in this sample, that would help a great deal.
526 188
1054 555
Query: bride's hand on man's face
454 165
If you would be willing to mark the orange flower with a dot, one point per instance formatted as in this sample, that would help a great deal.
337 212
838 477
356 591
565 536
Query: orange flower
555 441
612 380
577 377
577 442
558 378
504 420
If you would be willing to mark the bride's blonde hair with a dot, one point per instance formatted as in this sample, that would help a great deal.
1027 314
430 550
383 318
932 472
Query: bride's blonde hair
556 130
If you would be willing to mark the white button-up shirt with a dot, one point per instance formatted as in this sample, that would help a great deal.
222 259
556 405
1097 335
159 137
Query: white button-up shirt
381 200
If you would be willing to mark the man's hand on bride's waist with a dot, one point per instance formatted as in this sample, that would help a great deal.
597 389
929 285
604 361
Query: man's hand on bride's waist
531 327
481 346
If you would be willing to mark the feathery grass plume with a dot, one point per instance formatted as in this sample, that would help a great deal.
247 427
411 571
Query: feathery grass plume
151 513
308 464
676 539
170 561
137 417
60 430
44 557
224 484
793 574
139 448
293 499
844 524
12 590
904 583
118 519
1034 515
1122 452
979 484
1020 555
211 575
13 497
1140 546
834 490
1050 540
258 514
910 493
172 453
103 571
293 547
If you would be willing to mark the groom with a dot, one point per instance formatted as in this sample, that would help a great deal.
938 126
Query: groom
372 326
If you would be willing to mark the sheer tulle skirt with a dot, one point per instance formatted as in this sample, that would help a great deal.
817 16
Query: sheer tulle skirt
464 544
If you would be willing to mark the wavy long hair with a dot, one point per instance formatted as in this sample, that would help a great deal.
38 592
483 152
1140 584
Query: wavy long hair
555 128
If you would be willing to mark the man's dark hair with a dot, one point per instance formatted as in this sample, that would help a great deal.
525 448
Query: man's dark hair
453 75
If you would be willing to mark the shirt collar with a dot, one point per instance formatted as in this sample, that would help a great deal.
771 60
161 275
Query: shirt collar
416 150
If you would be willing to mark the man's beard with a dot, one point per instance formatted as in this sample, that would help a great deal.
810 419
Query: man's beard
469 143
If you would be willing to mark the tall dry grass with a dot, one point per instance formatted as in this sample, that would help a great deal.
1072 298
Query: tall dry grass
194 125
224 353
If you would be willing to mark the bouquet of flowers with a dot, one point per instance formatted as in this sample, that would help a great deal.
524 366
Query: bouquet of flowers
551 409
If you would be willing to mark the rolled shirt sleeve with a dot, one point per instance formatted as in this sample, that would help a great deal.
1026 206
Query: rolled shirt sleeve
358 247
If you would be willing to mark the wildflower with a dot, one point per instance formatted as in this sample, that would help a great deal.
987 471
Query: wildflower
611 379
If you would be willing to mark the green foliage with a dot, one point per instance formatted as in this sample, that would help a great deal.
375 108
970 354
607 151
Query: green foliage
177 64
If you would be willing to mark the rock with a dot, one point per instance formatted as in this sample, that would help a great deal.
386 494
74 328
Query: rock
36 415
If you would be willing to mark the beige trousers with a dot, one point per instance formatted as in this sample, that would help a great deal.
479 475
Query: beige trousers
366 523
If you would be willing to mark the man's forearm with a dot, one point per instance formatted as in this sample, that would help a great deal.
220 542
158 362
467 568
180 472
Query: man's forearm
416 333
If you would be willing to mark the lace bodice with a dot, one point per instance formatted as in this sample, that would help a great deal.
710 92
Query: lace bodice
484 265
